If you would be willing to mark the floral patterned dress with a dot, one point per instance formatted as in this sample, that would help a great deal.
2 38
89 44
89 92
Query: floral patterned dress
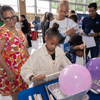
15 56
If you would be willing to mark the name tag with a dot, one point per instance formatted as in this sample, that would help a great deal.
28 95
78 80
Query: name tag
97 22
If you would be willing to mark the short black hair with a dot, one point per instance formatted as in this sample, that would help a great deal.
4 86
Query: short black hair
94 4
48 15
53 31
75 17
23 16
76 40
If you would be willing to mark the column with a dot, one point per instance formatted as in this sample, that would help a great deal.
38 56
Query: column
22 7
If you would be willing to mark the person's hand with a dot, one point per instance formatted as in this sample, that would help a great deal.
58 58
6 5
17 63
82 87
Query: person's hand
39 78
99 33
81 33
11 76
71 31
22 25
93 35
82 46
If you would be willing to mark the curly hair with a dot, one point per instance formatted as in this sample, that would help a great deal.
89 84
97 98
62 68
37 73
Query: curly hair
76 40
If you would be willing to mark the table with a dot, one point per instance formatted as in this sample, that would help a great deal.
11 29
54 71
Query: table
23 95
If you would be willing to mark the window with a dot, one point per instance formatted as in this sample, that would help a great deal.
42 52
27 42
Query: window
71 0
42 6
54 7
79 8
12 3
98 2
71 6
80 1
89 1
30 6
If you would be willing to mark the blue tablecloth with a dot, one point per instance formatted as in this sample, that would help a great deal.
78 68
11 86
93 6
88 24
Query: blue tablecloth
23 95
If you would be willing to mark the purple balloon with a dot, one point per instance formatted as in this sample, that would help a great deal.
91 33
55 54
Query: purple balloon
94 68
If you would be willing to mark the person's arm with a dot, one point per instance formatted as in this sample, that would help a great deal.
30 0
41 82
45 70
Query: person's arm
79 47
10 73
65 60
71 32
98 33
69 49
72 49
70 27
94 35
28 70
28 55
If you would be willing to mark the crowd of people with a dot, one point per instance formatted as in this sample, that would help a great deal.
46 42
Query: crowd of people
62 42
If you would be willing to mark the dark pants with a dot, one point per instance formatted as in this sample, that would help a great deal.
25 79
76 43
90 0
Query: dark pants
44 40
29 40
94 50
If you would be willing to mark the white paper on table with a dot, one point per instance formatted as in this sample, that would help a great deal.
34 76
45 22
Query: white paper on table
90 42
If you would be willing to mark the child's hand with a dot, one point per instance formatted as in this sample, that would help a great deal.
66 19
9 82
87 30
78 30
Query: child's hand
39 77
82 46
71 32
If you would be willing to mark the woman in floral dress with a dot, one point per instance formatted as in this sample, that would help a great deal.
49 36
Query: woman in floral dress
13 54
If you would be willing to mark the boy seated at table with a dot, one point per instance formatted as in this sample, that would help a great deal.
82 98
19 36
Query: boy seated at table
75 48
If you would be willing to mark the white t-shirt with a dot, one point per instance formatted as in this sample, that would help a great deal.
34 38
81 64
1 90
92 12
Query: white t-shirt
64 25
77 28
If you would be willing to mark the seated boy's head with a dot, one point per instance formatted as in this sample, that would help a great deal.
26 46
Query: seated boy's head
79 52
52 37
77 41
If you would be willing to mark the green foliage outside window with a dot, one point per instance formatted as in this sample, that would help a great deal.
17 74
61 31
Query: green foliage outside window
78 7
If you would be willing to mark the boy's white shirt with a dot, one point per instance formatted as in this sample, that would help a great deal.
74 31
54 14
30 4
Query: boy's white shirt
40 62
64 25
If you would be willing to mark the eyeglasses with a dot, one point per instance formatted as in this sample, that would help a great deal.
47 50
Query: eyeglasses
9 18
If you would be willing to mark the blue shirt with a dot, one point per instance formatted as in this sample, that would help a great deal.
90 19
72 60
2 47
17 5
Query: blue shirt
35 25
89 24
